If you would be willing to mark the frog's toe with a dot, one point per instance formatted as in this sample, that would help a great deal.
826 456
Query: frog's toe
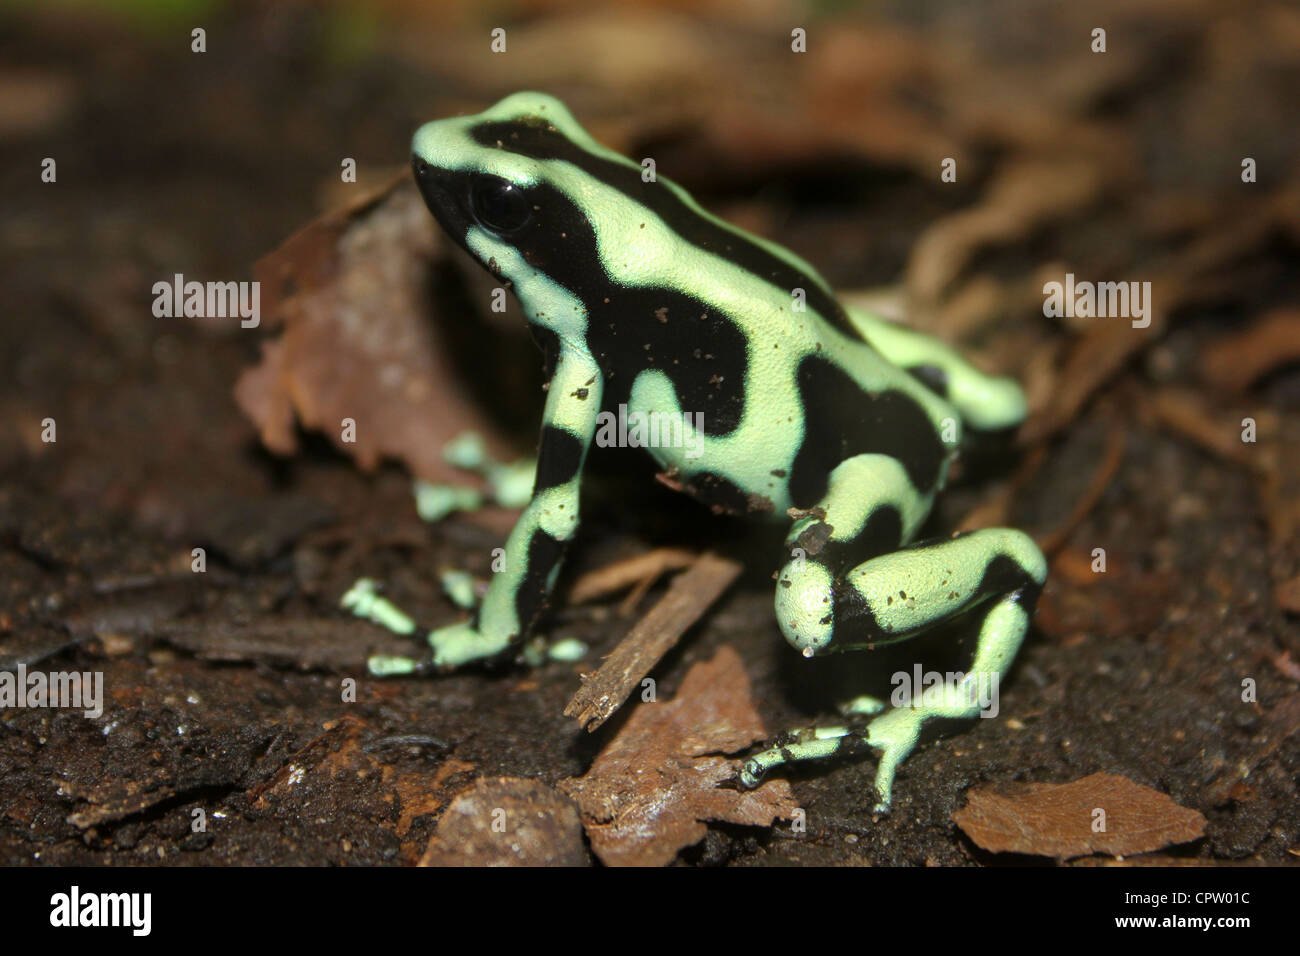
864 705
390 665
750 775
459 644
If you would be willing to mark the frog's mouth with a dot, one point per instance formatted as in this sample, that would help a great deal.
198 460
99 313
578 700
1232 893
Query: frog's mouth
440 189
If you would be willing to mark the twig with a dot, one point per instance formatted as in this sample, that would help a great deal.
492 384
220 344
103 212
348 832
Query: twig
691 594
1234 362
621 574
1183 412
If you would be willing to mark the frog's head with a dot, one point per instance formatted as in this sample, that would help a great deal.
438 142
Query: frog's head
527 191
478 186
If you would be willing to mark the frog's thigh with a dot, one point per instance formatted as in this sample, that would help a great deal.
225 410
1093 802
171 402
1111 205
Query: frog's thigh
984 401
997 572
870 507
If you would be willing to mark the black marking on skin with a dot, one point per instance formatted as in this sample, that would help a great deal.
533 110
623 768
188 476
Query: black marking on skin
549 343
844 421
538 139
855 625
446 193
932 377
705 357
559 458
544 553
722 495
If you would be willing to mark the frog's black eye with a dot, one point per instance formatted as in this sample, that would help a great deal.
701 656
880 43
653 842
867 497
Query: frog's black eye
499 205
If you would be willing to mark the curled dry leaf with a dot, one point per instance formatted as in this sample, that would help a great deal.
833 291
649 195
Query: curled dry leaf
1102 813
350 291
650 790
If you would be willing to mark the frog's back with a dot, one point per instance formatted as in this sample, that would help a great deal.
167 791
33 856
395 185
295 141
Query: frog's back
683 310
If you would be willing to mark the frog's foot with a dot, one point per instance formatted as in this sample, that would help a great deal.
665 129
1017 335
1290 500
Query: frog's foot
509 484
894 735
459 644
434 501
862 705
451 646
808 743
363 600
813 743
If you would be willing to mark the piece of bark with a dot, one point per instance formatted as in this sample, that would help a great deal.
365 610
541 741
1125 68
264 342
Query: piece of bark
508 821
650 790
691 594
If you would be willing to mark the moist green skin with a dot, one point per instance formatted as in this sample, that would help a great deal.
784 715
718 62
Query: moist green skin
841 421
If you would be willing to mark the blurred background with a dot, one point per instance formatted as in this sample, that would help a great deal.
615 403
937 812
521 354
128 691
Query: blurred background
1162 149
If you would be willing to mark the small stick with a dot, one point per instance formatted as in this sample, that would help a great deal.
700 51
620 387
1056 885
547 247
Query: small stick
621 574
691 594
1183 411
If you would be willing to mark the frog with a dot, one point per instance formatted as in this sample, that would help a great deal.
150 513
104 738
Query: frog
795 408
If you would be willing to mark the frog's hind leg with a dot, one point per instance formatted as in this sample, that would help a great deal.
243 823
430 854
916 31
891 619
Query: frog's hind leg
995 574
985 402
870 507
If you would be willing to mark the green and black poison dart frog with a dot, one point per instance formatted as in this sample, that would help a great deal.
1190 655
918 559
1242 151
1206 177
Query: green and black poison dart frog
839 421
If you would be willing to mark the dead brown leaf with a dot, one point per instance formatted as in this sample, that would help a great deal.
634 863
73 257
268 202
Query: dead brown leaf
350 291
650 790
1062 820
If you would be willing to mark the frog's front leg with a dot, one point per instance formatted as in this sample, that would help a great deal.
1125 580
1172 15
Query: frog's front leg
995 574
526 572
519 589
